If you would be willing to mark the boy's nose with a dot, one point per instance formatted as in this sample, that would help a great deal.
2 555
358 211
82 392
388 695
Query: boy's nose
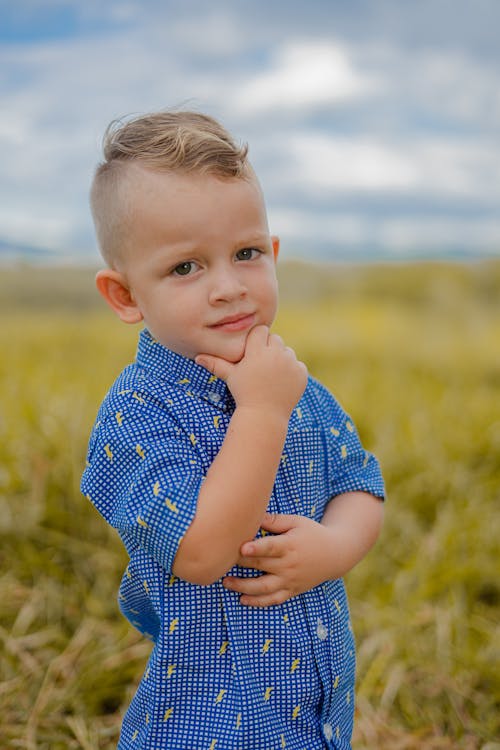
226 286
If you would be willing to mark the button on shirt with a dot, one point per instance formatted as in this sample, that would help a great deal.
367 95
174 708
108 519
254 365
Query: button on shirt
222 676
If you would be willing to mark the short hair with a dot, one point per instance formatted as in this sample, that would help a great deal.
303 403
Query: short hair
166 141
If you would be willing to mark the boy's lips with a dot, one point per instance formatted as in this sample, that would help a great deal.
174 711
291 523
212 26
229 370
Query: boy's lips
238 322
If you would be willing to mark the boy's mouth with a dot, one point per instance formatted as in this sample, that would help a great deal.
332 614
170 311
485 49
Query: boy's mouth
231 323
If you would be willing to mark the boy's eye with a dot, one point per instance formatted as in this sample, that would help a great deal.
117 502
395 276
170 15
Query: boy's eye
247 253
184 269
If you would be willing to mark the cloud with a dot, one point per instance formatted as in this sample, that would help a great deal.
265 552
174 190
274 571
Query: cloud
345 236
304 74
447 90
351 123
47 232
456 166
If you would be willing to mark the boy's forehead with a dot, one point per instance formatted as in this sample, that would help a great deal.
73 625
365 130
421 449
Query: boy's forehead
169 206
148 190
140 176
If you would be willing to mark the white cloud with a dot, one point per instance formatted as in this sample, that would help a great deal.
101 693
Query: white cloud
455 85
304 74
380 121
392 235
402 234
49 232
418 165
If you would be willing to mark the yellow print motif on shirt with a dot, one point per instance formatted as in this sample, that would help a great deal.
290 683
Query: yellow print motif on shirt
295 664
173 625
171 506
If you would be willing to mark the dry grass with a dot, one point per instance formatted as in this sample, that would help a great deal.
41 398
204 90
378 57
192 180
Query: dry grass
412 353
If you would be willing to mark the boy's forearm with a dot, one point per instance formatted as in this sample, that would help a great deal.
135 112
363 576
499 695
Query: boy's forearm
234 495
354 521
266 384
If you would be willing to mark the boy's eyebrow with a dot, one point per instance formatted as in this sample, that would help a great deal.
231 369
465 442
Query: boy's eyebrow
171 254
254 239
189 247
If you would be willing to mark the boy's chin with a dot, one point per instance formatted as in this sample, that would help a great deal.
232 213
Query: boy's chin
232 356
233 353
234 360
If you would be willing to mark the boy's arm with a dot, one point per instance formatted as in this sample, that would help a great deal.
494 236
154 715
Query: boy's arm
305 553
266 385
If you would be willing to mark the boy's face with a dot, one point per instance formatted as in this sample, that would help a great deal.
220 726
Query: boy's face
199 262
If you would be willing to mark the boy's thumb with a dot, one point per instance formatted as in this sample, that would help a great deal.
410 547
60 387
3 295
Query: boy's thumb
279 523
221 368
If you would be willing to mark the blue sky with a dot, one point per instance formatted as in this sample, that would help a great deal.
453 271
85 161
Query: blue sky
373 124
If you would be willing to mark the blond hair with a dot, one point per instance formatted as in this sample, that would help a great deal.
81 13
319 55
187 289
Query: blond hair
166 141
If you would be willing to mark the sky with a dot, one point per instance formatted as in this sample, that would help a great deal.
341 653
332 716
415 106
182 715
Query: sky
374 125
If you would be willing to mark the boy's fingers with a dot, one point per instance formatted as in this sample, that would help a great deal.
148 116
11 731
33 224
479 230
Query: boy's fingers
264 591
257 338
266 584
275 339
217 366
265 600
265 564
279 523
264 547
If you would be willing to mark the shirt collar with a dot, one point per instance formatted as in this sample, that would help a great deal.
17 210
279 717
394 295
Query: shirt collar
182 372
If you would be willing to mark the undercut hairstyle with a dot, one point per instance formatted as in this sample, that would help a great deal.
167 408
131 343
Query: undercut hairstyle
168 141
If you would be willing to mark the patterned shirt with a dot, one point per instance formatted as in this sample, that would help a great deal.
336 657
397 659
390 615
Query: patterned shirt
222 676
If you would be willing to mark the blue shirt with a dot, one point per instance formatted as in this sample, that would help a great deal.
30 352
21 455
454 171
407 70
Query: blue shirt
222 676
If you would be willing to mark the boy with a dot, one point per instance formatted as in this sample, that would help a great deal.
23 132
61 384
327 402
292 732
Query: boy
214 424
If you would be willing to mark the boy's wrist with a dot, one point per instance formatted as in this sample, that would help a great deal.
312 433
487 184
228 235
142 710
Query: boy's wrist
270 416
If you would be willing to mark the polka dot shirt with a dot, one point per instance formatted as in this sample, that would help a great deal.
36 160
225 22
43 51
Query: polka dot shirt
222 676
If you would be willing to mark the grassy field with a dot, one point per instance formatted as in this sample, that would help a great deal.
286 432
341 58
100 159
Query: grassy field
412 352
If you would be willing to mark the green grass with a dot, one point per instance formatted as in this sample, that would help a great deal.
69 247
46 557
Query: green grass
412 354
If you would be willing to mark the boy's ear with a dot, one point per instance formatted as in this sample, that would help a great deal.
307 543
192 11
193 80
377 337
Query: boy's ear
113 286
276 246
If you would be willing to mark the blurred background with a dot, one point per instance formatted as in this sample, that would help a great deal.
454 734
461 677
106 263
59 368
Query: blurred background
373 124
374 129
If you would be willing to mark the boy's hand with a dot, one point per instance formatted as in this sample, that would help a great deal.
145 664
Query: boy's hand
268 377
294 561
305 553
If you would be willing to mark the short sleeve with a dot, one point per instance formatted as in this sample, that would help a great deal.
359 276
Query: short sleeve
144 476
352 468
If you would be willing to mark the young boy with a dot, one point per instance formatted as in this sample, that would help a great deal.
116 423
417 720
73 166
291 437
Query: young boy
237 484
